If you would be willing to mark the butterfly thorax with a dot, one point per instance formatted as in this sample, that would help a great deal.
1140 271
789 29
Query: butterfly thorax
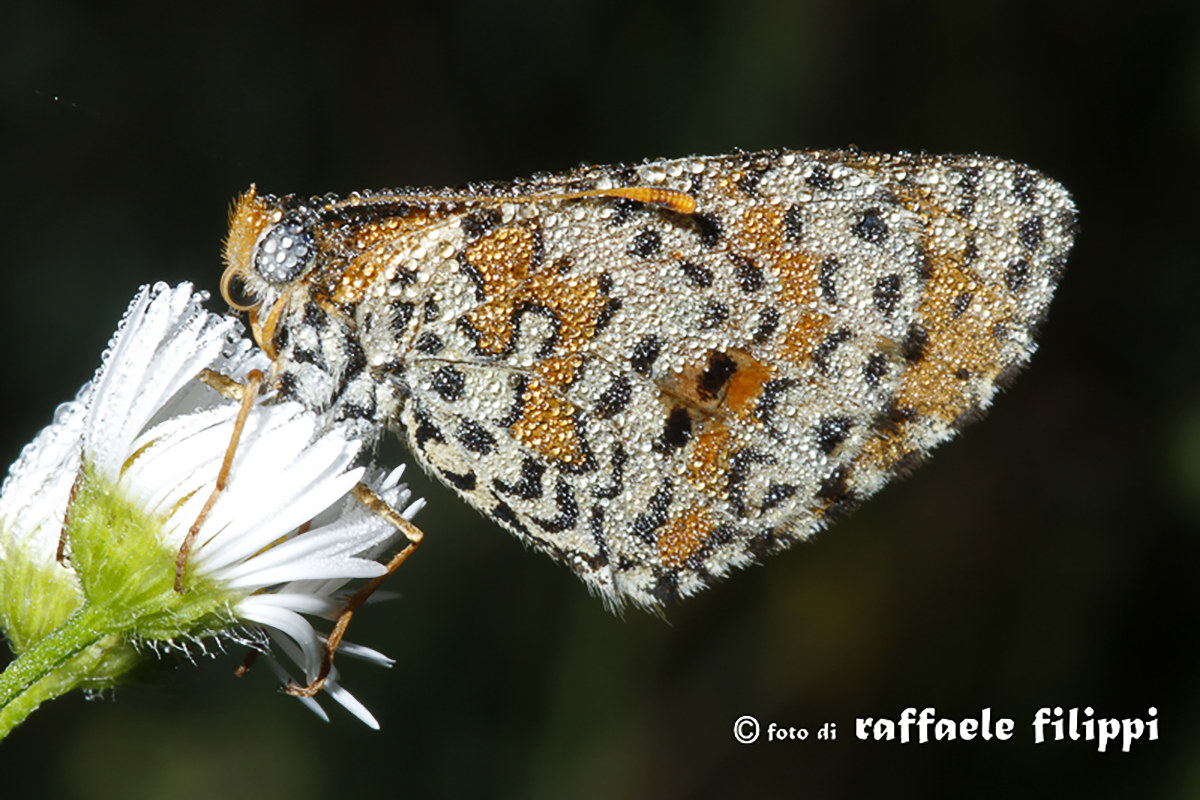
321 271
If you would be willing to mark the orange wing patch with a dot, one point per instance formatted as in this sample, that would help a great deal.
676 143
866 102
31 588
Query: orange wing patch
683 537
708 462
959 345
369 259
507 261
547 425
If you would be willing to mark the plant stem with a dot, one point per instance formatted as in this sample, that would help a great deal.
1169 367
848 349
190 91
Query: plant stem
53 666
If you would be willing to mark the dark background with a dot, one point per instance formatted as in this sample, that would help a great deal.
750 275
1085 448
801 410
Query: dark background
1046 558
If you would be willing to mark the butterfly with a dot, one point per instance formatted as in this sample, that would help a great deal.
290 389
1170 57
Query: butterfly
659 372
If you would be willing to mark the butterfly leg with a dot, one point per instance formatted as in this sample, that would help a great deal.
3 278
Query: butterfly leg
232 389
413 534
247 393
222 384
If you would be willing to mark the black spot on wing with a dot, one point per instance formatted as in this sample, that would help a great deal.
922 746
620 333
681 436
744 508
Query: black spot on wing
776 494
892 418
623 209
611 307
709 228
596 529
768 398
529 487
286 386
1031 233
700 277
968 187
448 382
479 222
655 515
615 398
503 512
716 375
832 432
960 304
871 227
768 322
315 316
825 279
714 314
475 437
617 471
970 250
302 355
353 356
793 223
1024 185
1017 275
428 343
740 464
646 243
825 350
645 352
568 509
875 368
544 312
464 483
819 178
887 294
357 410
836 493
517 410
426 432
401 315
915 344
748 183
474 275
749 274
677 431
835 487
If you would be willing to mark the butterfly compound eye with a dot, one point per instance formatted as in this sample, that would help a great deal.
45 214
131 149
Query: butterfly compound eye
286 250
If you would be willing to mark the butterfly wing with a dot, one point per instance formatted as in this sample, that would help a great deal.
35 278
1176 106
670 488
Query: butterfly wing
655 397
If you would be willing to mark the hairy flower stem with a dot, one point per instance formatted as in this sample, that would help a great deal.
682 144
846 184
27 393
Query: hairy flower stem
77 654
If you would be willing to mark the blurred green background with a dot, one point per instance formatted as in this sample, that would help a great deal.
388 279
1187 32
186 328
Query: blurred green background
1046 558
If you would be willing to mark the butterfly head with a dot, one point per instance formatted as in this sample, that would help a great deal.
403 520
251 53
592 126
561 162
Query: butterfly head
270 249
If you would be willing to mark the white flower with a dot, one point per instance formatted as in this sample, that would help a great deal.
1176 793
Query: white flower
140 448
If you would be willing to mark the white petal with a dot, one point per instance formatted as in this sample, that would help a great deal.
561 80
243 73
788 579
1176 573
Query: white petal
238 357
241 538
301 603
252 576
178 459
163 341
33 499
413 509
287 622
365 654
351 704
335 540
